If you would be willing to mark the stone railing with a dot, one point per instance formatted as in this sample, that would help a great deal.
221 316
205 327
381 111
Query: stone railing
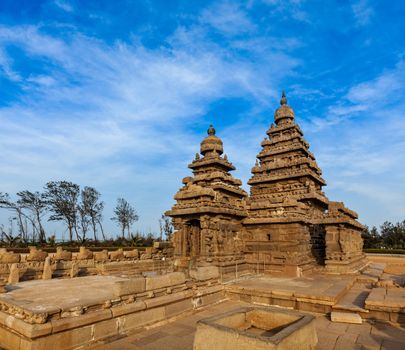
38 264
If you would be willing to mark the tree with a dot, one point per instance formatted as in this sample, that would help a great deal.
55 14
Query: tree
166 227
125 215
372 238
62 197
36 203
92 208
5 202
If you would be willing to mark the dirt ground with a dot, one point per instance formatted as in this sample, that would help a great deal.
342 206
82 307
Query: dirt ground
395 265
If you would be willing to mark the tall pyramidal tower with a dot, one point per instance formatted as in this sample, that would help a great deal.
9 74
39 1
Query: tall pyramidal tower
287 210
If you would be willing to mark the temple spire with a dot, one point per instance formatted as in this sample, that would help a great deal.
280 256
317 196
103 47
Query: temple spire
211 130
283 100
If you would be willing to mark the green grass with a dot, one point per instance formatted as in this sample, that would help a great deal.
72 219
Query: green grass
384 251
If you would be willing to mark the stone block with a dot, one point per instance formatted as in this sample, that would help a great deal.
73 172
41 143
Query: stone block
74 270
9 340
129 286
8 257
62 254
129 308
139 319
163 281
64 324
101 256
26 329
178 307
14 276
132 254
345 317
105 329
205 273
71 339
47 273
36 254
117 255
84 254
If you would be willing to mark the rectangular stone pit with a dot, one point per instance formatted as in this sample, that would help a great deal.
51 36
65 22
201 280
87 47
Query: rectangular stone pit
257 328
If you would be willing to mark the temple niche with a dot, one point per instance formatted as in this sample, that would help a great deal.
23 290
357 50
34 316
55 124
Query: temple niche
286 226
209 210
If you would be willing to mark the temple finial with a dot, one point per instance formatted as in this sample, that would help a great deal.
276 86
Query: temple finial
211 130
283 100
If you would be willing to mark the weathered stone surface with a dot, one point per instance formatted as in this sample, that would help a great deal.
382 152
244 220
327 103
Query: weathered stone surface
62 254
74 270
14 276
8 257
117 255
232 330
47 274
170 279
204 273
130 286
345 317
133 254
101 256
36 254
84 254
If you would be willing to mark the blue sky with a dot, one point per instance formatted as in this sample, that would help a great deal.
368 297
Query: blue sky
118 94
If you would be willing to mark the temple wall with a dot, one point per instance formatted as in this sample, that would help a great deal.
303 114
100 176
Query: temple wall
344 249
282 249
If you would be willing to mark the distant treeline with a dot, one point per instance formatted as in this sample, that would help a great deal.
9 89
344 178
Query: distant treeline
80 210
391 236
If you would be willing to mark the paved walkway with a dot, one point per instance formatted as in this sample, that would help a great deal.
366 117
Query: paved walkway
179 334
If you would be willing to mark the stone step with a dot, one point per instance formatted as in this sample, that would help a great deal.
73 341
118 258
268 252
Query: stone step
345 317
372 273
354 299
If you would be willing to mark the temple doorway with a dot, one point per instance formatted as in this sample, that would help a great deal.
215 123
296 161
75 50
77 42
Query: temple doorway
193 238
318 244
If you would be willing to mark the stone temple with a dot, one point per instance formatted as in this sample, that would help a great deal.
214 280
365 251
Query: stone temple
273 269
286 226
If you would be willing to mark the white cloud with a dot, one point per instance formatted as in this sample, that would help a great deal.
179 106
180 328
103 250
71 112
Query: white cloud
118 116
363 12
227 18
64 5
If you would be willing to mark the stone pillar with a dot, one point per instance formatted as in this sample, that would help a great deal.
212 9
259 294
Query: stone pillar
14 276
47 274
74 270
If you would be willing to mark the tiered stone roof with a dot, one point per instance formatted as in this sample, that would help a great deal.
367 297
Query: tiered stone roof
286 183
211 189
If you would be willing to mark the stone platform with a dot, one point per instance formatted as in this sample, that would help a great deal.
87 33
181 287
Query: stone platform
72 313
178 334
313 293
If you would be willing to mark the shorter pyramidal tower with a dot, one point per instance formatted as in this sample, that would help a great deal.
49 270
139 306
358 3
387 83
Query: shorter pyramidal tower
209 210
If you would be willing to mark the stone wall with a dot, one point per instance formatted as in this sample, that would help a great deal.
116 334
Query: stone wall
64 264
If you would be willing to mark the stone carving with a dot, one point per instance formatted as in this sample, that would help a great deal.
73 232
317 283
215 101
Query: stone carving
84 254
62 254
47 274
36 254
14 276
8 257
74 270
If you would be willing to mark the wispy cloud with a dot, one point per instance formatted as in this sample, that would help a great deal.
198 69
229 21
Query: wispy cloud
118 116
362 12
64 5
